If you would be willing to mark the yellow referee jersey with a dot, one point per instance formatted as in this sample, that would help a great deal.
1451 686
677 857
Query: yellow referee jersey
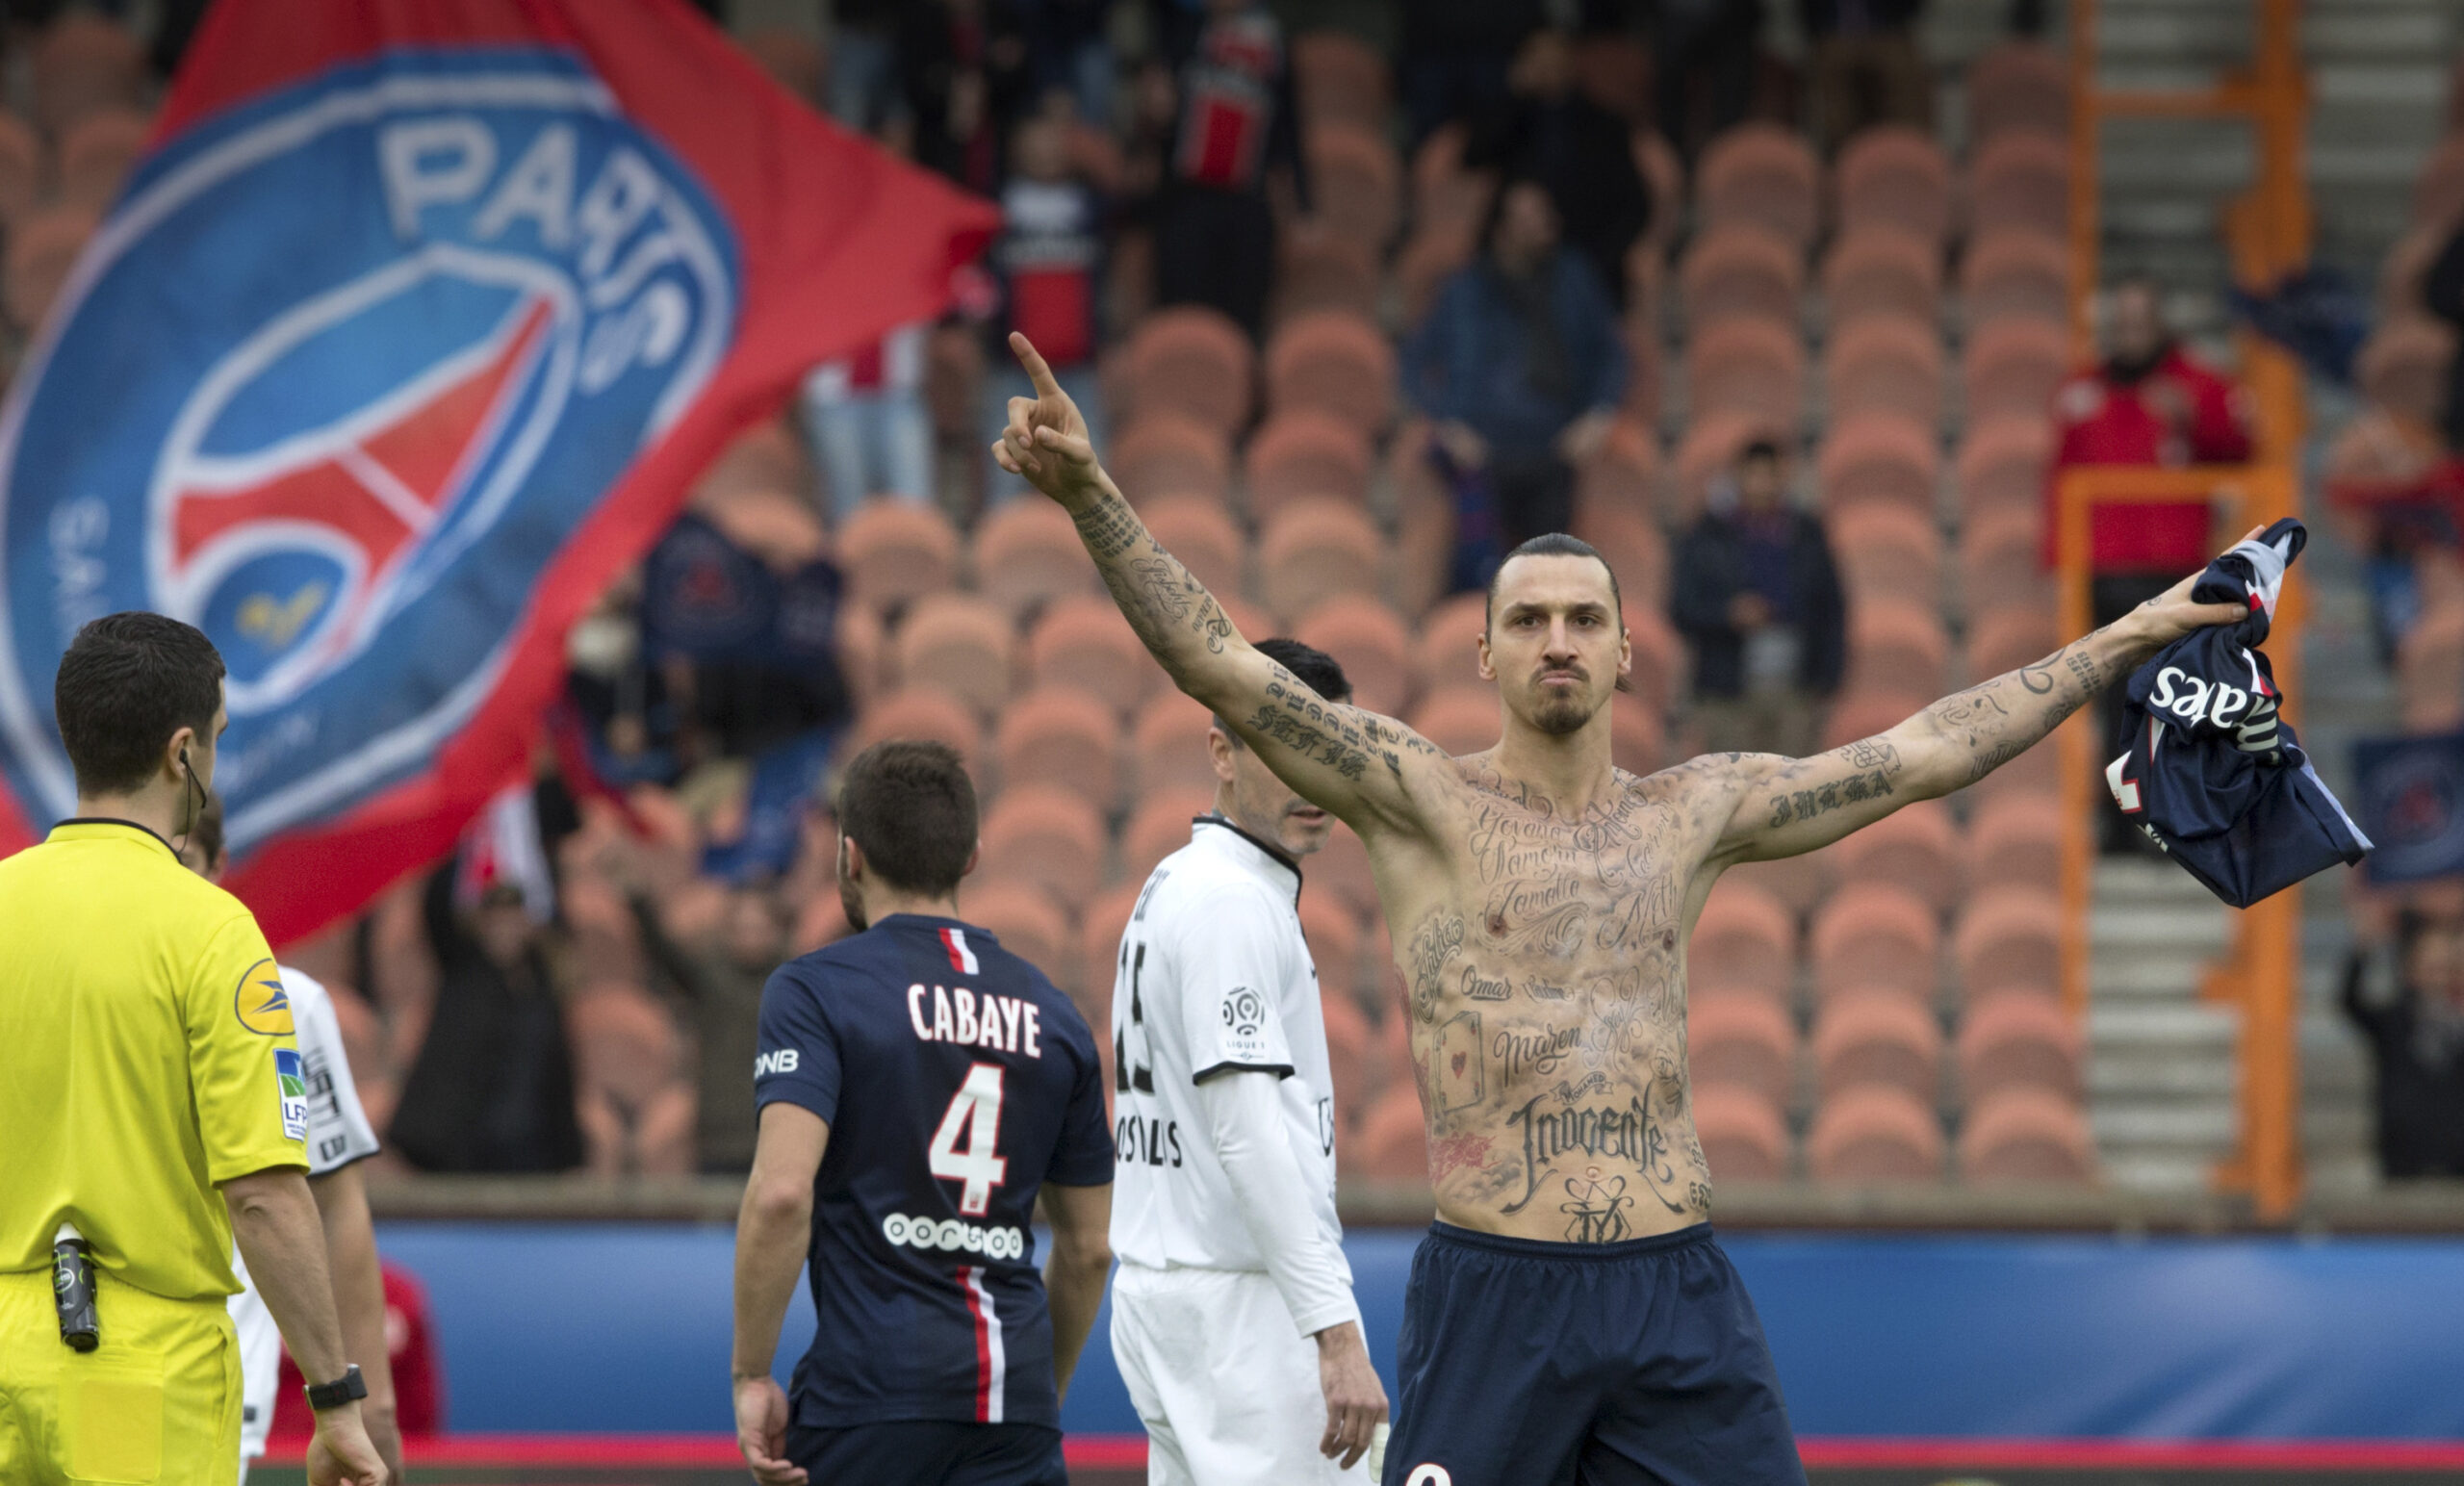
145 1055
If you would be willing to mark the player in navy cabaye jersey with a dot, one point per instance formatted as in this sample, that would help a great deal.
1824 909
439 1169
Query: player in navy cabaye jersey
918 1085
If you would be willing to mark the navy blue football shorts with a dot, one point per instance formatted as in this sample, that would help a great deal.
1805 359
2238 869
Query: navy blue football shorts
930 1452
1530 1364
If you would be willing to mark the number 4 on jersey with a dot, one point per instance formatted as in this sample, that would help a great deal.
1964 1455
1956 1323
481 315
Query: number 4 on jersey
974 1111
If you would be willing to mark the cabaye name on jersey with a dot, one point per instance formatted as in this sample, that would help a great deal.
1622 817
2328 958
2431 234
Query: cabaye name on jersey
1003 1023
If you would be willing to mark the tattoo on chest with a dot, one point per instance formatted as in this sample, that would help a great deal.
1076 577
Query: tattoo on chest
1435 944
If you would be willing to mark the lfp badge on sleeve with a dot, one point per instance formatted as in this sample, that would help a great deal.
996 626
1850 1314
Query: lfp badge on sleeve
371 347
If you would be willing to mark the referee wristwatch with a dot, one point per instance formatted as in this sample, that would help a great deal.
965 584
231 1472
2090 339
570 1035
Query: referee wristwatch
345 1388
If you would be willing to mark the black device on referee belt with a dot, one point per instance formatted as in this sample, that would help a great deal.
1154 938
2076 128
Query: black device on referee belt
72 1290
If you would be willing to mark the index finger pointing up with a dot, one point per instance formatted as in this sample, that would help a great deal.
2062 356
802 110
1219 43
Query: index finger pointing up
1047 385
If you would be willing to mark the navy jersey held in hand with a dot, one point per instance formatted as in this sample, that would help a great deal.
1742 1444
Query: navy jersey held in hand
955 1081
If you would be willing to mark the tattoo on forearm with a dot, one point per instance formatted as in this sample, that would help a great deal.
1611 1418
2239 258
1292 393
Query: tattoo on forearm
1108 526
1803 804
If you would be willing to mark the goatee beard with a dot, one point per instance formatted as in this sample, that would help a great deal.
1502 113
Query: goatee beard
1560 717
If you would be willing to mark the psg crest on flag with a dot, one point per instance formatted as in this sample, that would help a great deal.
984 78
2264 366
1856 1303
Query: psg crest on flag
455 296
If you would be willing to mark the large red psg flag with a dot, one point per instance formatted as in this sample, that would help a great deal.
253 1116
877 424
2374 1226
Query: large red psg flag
414 326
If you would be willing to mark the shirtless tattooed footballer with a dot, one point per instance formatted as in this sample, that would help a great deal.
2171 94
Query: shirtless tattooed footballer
1570 1317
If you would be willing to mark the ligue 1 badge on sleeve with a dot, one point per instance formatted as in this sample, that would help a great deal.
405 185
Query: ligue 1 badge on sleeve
293 1084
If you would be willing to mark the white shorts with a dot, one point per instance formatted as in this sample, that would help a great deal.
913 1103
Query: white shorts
1227 1386
260 1366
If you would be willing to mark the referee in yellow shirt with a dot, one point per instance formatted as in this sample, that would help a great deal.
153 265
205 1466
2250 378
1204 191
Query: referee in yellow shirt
150 1101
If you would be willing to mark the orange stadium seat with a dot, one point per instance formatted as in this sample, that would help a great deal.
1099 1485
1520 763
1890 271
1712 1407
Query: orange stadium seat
926 713
1745 940
2009 938
1343 870
1166 455
1741 270
1394 1137
1884 272
1314 549
95 155
2021 181
1159 827
1369 642
962 644
1167 744
84 63
1623 474
1190 361
1881 1035
1638 738
1319 272
1880 459
1874 933
1355 182
2403 367
1917 847
864 650
1873 1133
42 250
1447 653
2438 192
1099 950
1303 454
1048 837
2014 840
1203 535
2026 1135
2018 87
1458 719
1335 362
1709 453
1891 175
1340 79
1334 945
1888 551
1744 1136
2001 465
895 551
2013 274
1082 641
777 526
1633 544
1743 1041
2018 1039
1424 521
2012 367
1897 643
1760 174
2002 563
20 169
1861 714
1060 735
2006 638
1883 364
768 456
1754 367
1029 924
1027 554
1665 174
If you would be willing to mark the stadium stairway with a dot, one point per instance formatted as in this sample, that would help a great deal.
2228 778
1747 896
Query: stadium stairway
2159 1059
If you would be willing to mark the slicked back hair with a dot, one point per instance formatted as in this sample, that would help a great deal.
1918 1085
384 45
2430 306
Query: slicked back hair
1557 544
1315 670
129 681
909 805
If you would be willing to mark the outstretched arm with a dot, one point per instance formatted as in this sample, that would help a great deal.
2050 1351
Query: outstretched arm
1787 806
1354 763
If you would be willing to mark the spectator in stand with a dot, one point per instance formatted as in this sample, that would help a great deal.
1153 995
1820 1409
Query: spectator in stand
1704 54
2147 403
868 424
1757 598
2415 1029
1069 50
963 71
1236 137
1520 366
719 978
2443 292
863 64
1867 67
1549 132
1454 58
492 1088
1050 262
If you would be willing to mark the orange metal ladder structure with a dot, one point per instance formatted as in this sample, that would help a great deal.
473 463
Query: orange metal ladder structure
2267 231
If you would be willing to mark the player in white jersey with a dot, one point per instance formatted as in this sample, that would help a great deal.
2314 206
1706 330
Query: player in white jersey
339 1138
1232 1318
